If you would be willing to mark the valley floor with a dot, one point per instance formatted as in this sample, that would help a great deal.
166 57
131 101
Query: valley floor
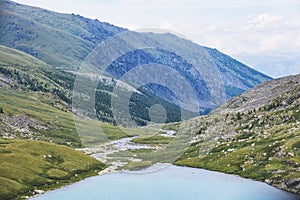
227 157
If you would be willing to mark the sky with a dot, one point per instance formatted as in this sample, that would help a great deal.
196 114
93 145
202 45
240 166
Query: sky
263 34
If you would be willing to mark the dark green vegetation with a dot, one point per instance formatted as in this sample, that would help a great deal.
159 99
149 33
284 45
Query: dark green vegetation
65 40
33 165
19 70
259 135
172 126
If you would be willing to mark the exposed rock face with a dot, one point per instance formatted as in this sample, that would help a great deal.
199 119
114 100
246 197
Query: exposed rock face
278 93
293 184
21 126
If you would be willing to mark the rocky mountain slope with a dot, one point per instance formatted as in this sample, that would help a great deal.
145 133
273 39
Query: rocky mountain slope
65 40
254 135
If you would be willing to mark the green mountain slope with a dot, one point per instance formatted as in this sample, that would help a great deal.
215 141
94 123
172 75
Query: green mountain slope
41 116
30 167
61 40
19 70
65 40
35 101
257 135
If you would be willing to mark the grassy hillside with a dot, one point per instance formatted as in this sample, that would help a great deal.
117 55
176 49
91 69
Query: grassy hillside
62 40
65 41
32 115
27 166
19 70
258 136
31 126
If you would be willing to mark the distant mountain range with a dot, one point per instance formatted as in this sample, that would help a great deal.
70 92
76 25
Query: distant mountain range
275 64
65 40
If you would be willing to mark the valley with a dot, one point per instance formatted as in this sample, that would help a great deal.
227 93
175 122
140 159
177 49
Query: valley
60 124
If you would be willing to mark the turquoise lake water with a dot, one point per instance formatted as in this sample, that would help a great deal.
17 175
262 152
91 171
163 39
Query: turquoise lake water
170 183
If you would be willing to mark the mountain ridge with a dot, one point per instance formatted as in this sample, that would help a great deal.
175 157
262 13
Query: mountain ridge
71 38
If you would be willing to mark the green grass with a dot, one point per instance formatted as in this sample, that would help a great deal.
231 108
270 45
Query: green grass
115 132
155 139
31 105
62 48
172 126
137 165
264 148
28 165
246 160
60 125
28 72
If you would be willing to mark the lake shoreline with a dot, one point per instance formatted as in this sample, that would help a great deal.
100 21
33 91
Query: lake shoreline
42 192
111 172
275 186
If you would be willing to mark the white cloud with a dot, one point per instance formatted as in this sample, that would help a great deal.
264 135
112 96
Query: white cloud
263 21
263 33
166 25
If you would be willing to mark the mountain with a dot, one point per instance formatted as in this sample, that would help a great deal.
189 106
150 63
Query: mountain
61 40
257 135
20 71
65 41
